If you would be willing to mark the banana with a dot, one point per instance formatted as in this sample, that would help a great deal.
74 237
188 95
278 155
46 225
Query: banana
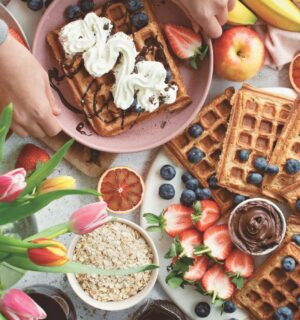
283 14
241 15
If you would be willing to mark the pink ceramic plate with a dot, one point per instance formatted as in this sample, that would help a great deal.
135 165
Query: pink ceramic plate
150 133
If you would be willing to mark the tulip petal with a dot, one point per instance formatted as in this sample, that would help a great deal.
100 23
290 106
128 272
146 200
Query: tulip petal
12 184
5 185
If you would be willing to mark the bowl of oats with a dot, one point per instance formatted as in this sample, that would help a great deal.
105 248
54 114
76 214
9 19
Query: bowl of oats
118 244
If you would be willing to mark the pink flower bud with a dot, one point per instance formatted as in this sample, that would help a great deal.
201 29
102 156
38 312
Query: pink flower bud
12 184
17 305
89 218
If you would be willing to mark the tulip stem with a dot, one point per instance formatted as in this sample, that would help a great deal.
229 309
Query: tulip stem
52 232
12 250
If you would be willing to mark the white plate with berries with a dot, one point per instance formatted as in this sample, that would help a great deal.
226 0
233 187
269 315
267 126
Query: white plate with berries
170 228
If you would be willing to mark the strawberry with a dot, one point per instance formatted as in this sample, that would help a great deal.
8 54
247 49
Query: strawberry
217 284
175 219
197 270
17 36
29 156
216 243
184 244
239 265
185 43
206 214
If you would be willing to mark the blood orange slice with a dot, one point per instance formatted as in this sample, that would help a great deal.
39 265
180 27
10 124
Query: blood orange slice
294 73
122 189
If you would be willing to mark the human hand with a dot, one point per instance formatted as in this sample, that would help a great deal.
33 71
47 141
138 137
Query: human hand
211 15
24 82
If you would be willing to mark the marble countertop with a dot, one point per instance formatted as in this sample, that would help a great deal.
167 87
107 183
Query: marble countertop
60 210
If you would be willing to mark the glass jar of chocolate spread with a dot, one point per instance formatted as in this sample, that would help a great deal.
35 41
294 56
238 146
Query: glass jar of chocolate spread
158 310
53 301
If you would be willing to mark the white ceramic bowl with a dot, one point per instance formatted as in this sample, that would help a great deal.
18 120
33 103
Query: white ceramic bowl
118 305
269 250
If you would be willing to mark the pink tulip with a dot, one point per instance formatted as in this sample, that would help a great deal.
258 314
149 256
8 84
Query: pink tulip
17 305
12 184
89 218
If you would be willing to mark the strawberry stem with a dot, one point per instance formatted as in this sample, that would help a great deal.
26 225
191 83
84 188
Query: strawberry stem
199 252
214 297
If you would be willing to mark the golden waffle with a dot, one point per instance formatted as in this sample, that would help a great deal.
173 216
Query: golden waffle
271 287
214 119
257 120
94 95
288 147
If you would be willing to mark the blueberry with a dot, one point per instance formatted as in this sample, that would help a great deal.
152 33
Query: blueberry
288 264
298 300
213 182
203 194
134 5
202 309
186 176
292 166
139 20
272 169
73 12
229 307
167 172
296 239
166 191
169 76
239 198
284 313
47 3
244 155
255 178
195 155
87 5
192 184
188 197
35 5
260 163
195 131
298 205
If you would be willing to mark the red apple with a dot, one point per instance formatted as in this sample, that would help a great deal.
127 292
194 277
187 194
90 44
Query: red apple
238 54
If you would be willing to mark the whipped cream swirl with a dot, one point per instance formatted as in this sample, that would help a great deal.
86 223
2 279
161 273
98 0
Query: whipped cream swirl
103 52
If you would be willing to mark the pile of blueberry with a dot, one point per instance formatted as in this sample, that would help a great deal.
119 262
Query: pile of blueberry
76 11
167 190
36 5
202 309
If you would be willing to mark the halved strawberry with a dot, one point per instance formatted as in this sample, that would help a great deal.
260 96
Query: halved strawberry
206 214
217 243
30 156
185 43
175 219
197 270
239 265
17 36
217 284
184 244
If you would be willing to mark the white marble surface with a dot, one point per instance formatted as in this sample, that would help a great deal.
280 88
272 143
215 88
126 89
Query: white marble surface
60 210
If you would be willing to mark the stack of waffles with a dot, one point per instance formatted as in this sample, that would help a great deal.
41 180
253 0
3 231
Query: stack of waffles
272 287
265 124
93 95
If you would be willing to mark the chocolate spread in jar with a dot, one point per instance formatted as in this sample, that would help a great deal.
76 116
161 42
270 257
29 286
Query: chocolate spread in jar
256 226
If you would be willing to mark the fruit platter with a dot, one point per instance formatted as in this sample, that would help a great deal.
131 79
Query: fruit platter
150 160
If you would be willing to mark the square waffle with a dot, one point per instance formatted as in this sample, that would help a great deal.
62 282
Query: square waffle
257 120
214 119
271 287
93 95
288 147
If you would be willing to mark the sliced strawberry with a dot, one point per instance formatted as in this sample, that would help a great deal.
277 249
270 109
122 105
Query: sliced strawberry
239 265
185 43
184 244
30 156
197 270
17 36
174 220
216 283
216 243
206 214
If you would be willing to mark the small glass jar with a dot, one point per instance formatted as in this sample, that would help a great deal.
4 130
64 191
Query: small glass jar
53 301
159 309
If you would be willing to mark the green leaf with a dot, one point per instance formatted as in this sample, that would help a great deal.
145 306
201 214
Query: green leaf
2 317
219 303
151 218
74 267
10 212
5 123
154 229
175 282
238 282
44 170
193 62
202 51
9 275
172 252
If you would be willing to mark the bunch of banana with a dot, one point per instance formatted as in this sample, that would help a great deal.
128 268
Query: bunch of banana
241 15
283 14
